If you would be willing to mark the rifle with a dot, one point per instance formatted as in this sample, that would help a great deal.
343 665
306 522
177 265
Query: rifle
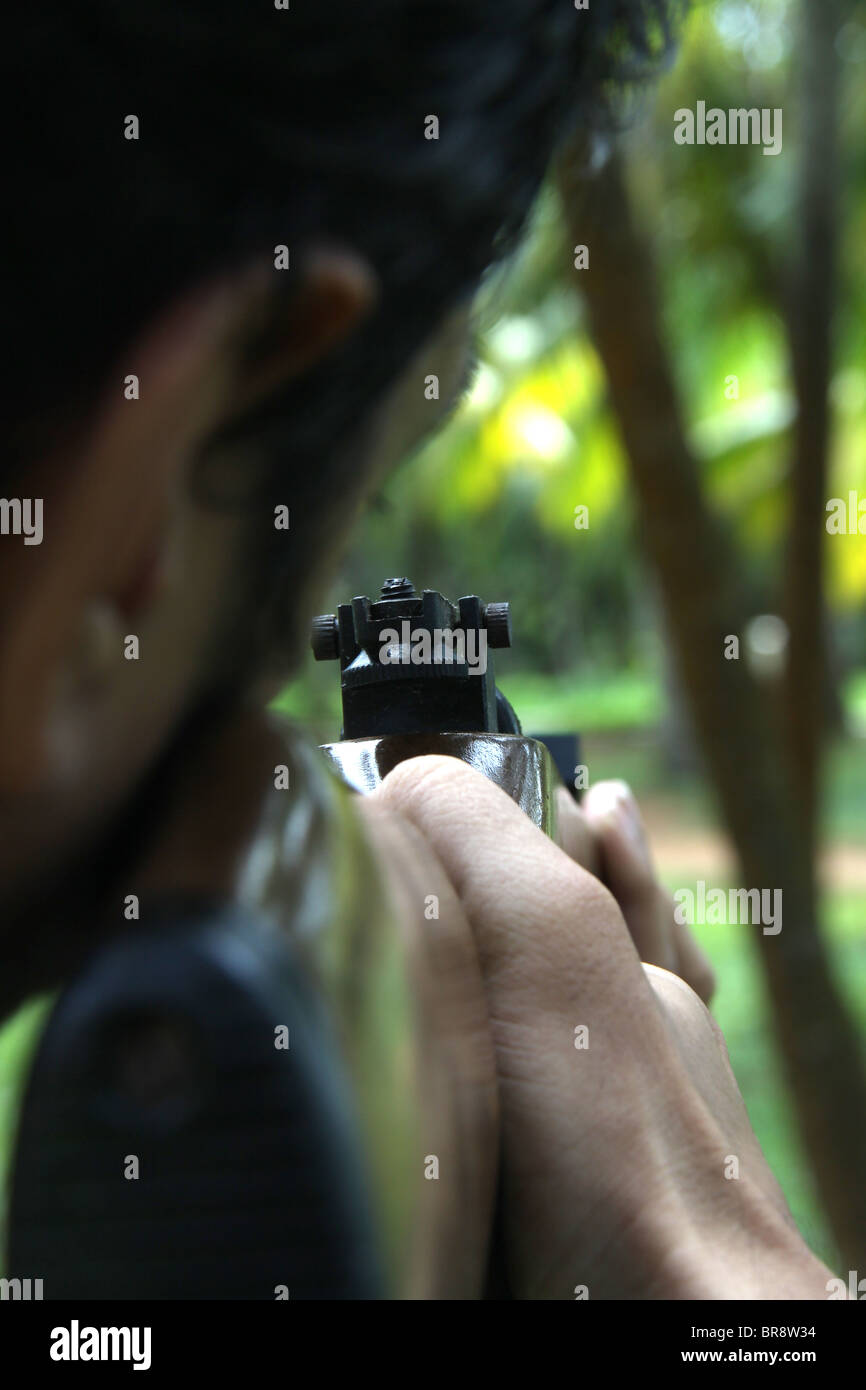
254 1171
417 678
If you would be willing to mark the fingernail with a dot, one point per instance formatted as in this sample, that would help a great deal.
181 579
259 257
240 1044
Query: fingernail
629 819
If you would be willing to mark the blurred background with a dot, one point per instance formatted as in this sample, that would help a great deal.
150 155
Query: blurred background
699 389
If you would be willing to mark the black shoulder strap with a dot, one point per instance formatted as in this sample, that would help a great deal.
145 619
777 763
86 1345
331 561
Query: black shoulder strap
187 1130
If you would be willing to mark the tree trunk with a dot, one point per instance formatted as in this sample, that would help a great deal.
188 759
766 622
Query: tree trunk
745 757
809 321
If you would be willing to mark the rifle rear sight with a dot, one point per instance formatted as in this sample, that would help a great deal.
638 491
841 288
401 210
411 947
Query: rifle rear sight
417 663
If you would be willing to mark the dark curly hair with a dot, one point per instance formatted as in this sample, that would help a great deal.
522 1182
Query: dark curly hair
261 126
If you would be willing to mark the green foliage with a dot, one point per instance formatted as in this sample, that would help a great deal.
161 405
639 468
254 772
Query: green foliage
488 506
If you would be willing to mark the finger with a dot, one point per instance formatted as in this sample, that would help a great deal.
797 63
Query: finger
615 823
704 1054
692 963
440 949
574 834
453 1064
547 931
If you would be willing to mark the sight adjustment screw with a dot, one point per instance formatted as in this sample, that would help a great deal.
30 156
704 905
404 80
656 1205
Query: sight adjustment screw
325 637
497 621
398 588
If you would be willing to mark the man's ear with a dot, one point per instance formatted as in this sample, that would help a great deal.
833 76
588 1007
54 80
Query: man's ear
107 499
336 292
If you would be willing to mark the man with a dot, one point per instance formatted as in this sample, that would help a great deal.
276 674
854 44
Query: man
242 240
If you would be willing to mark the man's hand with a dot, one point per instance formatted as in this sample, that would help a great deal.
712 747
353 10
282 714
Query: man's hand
606 835
630 1167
